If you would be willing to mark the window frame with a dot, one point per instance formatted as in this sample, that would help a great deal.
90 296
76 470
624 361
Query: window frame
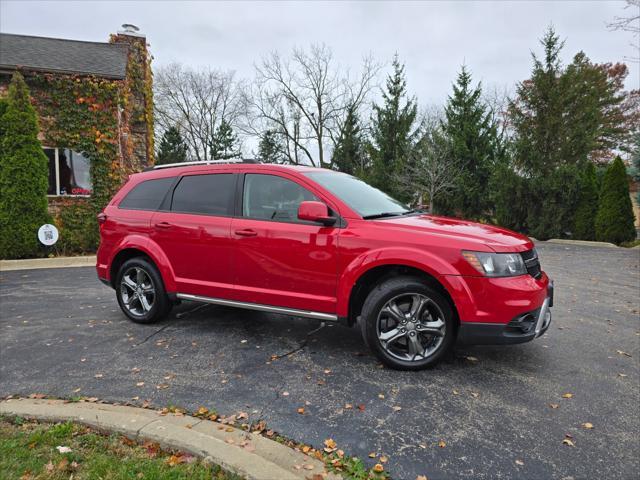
239 211
56 160
168 202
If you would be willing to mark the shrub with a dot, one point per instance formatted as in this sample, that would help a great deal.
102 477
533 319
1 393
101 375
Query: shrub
23 176
614 221
584 227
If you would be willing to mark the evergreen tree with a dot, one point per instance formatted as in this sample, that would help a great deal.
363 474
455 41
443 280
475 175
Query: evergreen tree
614 221
172 148
470 128
392 134
23 175
224 144
348 154
635 163
585 215
537 113
270 148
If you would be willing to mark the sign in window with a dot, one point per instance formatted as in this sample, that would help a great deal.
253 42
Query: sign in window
69 172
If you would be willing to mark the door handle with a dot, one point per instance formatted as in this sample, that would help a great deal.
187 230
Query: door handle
247 232
163 225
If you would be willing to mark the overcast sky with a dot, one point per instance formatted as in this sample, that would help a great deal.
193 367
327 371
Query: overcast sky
494 39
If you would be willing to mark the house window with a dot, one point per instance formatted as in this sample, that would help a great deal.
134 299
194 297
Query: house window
68 172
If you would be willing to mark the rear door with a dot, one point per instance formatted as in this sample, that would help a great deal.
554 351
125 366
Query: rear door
280 260
194 232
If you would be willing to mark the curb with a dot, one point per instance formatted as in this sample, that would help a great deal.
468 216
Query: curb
247 454
586 243
55 262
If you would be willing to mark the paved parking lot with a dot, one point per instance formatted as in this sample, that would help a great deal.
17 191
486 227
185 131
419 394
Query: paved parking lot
61 330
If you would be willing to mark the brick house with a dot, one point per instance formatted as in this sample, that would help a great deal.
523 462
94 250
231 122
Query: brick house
94 103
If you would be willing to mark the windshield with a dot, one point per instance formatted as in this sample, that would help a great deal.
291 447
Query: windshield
369 202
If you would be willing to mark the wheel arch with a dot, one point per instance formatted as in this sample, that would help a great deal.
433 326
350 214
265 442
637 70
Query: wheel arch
149 250
368 279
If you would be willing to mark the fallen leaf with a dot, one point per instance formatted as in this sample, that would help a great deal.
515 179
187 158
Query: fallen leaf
587 425
456 392
229 429
98 375
361 407
569 442
330 445
475 394
77 390
49 466
620 352
285 394
567 395
162 386
327 371
373 455
139 384
348 406
396 408
243 341
384 459
378 468
622 375
230 440
306 448
471 359
442 444
519 462
301 410
554 405
381 396
307 466
63 449
422 477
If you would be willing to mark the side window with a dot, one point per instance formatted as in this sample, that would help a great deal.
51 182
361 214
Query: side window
147 195
205 194
269 197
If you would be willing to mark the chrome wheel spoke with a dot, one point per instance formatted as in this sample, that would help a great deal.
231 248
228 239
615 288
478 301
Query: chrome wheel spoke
435 327
394 312
392 335
417 302
129 283
415 347
146 306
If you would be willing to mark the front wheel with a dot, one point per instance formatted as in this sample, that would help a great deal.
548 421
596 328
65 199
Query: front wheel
140 291
407 324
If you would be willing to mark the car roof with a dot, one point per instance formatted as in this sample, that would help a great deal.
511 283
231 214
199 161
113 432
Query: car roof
234 167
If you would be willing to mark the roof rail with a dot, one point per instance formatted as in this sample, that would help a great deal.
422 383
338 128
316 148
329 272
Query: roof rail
201 162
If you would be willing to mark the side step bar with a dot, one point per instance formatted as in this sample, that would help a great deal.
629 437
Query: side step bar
259 307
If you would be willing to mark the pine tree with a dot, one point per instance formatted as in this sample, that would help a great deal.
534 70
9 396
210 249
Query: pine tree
585 215
225 143
392 134
614 221
270 148
348 154
23 175
172 148
470 128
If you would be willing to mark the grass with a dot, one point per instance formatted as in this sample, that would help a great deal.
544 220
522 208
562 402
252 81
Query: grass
28 452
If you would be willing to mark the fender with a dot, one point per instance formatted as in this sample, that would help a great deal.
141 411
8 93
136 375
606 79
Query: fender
153 251
409 257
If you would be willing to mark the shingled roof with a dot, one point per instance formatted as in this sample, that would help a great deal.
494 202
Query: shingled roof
63 56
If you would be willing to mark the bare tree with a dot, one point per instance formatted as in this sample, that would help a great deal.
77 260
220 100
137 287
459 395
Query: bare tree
304 98
629 23
196 101
431 171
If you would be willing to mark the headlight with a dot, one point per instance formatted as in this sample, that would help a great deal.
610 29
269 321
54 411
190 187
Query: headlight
496 264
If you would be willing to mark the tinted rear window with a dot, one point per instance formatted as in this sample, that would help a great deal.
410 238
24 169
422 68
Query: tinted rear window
147 195
205 194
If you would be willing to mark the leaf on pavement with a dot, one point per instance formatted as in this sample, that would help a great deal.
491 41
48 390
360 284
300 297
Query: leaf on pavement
98 375
361 407
422 477
621 352
568 441
554 405
384 459
330 445
140 384
442 444
587 425
519 462
567 395
373 455
378 468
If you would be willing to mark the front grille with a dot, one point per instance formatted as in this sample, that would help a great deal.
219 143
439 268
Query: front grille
532 263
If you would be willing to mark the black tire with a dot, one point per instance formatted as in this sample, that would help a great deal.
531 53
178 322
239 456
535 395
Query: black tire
159 307
438 313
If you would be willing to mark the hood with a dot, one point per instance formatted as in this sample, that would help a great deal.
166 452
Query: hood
496 238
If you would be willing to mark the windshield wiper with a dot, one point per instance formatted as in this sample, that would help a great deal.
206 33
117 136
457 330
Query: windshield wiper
384 215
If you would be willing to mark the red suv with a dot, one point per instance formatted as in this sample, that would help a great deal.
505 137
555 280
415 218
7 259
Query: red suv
320 244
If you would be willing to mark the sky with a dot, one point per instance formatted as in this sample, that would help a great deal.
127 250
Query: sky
493 38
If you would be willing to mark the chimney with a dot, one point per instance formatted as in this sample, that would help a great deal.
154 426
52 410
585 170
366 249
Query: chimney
131 30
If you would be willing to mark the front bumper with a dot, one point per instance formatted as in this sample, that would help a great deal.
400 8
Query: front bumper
523 328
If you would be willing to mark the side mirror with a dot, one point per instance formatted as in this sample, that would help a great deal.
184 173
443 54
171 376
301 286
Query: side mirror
315 212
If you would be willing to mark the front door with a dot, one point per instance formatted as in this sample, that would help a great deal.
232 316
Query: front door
280 260
195 234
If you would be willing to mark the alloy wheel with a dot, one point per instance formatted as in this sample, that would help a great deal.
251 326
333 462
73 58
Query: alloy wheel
411 327
137 291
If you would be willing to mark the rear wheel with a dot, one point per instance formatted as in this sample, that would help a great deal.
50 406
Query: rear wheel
140 291
407 324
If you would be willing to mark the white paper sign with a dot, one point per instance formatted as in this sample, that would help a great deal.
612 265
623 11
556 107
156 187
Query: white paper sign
48 234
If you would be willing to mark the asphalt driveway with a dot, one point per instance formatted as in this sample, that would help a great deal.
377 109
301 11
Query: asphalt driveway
61 330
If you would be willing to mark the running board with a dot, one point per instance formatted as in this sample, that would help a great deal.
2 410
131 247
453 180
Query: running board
259 307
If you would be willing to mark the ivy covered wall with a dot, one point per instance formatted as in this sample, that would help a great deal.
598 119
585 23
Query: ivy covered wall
109 120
